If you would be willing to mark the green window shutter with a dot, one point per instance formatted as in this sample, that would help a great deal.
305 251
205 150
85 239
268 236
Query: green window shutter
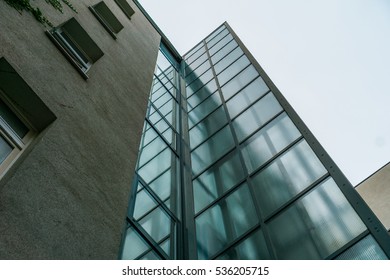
125 7
80 37
104 12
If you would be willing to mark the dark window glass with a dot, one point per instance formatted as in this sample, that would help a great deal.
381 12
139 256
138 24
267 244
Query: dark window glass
316 225
225 222
12 120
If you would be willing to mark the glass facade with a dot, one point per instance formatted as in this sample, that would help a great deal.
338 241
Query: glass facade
220 136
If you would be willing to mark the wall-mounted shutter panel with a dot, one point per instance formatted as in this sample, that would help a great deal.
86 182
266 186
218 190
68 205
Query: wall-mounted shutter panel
23 97
125 7
110 19
79 36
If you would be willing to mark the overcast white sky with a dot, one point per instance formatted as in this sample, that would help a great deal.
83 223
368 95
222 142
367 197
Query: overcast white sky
329 58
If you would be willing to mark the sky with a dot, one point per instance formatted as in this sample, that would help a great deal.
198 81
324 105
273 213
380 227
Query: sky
329 58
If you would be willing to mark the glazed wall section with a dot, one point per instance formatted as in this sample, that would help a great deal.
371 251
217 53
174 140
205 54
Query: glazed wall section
67 198
260 191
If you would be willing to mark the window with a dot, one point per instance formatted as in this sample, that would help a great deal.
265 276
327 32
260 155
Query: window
22 115
77 46
106 18
125 7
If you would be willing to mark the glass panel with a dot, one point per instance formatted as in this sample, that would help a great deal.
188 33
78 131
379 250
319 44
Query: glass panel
162 185
211 150
242 80
224 51
268 141
217 38
246 97
316 225
201 94
143 204
195 53
204 108
217 180
157 166
5 149
225 222
166 246
163 63
200 82
152 149
233 70
150 256
365 249
157 224
227 60
287 176
12 120
220 44
191 67
256 116
133 245
198 72
207 127
252 248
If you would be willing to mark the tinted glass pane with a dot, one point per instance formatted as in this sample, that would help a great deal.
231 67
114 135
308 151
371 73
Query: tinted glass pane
157 166
201 94
215 32
157 224
221 43
133 245
143 204
195 53
207 127
150 150
268 141
246 97
227 60
252 248
204 108
150 256
197 72
12 120
287 176
211 150
5 149
365 249
191 67
217 180
225 222
200 82
256 116
241 80
224 51
316 225
233 70
216 38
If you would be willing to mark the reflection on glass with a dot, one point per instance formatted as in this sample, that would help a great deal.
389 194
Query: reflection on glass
157 224
233 70
217 38
256 116
216 32
246 97
316 225
197 72
157 166
240 81
252 248
365 249
225 222
287 176
190 67
220 44
211 150
227 60
217 180
201 94
195 53
12 120
200 82
150 256
208 126
204 108
223 52
149 151
143 204
5 149
133 245
270 140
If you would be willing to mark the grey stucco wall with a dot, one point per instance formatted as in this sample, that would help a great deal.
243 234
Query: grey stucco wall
67 198
375 190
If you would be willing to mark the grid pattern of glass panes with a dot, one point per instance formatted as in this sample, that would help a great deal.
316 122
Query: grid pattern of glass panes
260 192
154 210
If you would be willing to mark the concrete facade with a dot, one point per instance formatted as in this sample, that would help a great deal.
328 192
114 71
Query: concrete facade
66 197
375 190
